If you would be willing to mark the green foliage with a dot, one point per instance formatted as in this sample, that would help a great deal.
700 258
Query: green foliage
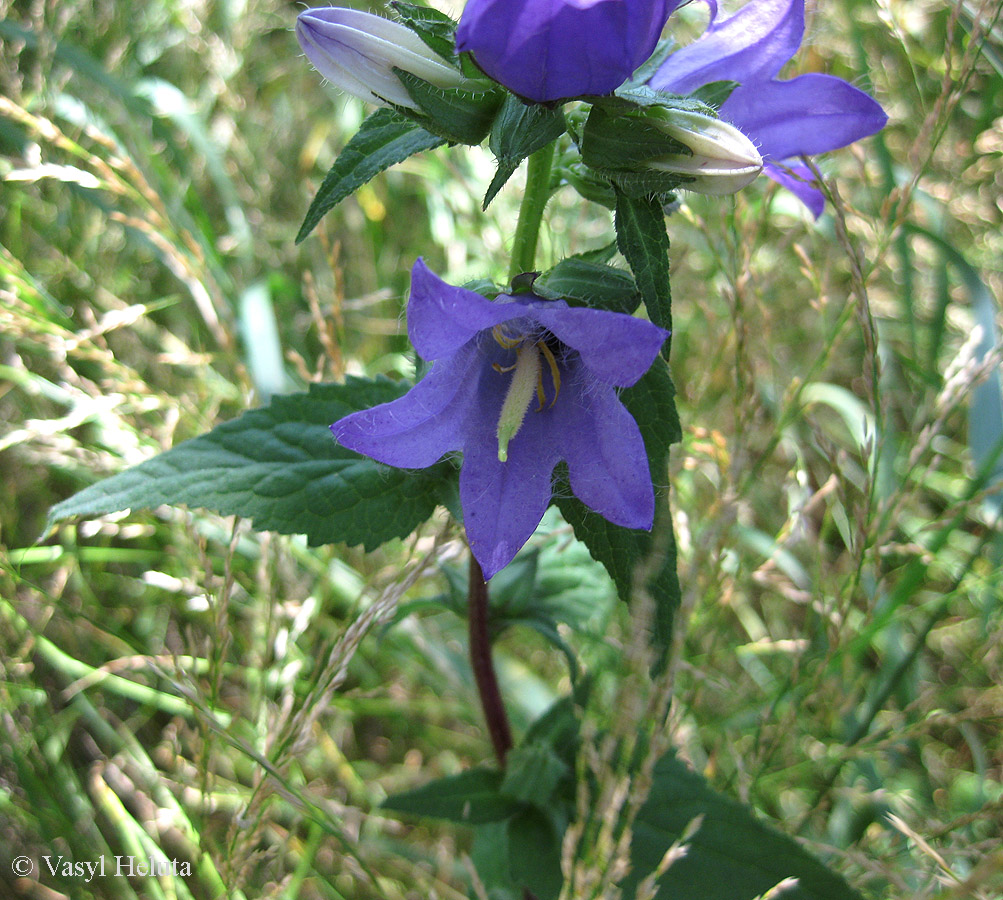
436 29
519 130
280 467
459 115
642 239
385 139
582 282
840 564
731 855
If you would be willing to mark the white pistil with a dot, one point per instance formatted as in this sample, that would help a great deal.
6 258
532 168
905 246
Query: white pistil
520 394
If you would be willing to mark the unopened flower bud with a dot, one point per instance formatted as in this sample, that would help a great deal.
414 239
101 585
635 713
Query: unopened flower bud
358 52
723 160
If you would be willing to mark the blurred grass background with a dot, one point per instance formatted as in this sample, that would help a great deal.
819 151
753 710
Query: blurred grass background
174 686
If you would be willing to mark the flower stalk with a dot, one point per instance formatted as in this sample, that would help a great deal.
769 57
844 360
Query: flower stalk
534 201
483 664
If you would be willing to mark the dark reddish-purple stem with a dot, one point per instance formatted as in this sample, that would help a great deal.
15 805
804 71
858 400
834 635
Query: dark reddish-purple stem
483 666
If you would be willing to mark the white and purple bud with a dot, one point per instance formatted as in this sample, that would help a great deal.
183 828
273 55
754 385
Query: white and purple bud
723 159
358 52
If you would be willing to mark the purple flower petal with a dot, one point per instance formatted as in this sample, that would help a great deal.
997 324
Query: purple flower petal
554 49
798 180
809 114
618 349
442 318
752 45
503 502
417 429
607 463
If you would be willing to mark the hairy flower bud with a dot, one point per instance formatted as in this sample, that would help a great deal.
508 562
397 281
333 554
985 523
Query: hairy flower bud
723 159
358 52
666 144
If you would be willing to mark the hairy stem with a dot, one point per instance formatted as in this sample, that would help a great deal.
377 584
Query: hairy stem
483 666
534 201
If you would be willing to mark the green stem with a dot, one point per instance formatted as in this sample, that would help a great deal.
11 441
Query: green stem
534 201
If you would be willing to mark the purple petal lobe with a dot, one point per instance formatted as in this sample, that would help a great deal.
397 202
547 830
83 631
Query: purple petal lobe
554 49
428 421
799 180
809 114
607 463
618 349
752 45
503 502
442 318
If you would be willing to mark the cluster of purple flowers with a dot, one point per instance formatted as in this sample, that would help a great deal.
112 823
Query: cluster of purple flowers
520 383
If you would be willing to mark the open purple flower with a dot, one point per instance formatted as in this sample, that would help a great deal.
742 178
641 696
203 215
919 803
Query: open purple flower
806 115
517 384
554 49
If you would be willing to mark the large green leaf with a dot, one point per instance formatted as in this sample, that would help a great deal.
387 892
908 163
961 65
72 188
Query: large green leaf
733 856
470 798
280 467
384 139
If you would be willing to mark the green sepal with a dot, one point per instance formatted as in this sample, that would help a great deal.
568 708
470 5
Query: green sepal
582 282
589 184
436 29
613 141
280 467
715 93
383 140
519 130
458 115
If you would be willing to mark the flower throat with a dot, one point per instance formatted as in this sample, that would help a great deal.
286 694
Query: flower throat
527 380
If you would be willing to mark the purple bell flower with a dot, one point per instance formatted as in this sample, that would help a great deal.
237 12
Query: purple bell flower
803 116
517 384
547 50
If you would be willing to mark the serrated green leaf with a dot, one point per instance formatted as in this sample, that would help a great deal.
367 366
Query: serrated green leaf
280 467
532 774
470 798
519 130
642 239
384 139
582 282
436 29
534 849
732 856
621 550
459 115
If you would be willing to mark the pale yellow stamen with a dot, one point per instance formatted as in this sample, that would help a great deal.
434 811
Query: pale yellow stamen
503 339
555 375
